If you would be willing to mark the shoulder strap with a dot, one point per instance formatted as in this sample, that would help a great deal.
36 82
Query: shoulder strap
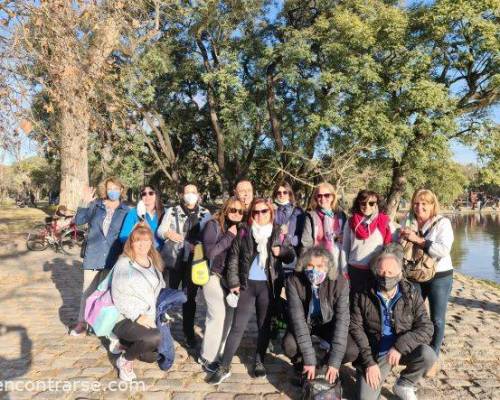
432 226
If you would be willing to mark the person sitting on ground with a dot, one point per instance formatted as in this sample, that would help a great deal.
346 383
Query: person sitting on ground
390 326
136 283
318 304
62 218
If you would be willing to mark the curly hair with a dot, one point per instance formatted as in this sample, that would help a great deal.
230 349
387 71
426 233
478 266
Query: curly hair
317 251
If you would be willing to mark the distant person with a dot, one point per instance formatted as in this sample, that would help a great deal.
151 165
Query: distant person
181 229
149 209
217 238
390 326
434 234
104 217
365 234
252 272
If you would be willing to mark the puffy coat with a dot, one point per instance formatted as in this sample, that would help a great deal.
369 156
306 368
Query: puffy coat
334 303
410 321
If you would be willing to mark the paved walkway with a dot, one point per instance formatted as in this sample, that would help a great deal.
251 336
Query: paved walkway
39 294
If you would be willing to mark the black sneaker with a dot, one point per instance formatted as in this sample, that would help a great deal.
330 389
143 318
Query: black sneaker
258 369
208 366
219 376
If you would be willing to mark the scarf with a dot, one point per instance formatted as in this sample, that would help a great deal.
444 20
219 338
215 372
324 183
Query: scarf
364 226
261 235
284 213
328 226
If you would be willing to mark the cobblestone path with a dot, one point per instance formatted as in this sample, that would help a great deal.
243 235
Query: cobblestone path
39 294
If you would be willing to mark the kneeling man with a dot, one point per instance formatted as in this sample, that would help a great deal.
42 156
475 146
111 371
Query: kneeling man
390 326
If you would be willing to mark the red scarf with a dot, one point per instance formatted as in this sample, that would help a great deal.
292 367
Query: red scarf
363 231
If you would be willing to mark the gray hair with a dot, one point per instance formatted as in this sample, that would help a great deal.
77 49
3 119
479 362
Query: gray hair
392 250
318 251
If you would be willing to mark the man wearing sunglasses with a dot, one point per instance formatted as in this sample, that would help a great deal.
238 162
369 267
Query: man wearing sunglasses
181 228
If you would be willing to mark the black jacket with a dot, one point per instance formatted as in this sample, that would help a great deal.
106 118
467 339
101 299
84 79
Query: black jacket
334 302
216 245
411 323
244 250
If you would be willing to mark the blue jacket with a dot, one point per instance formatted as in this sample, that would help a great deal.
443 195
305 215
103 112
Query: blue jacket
166 350
132 218
101 251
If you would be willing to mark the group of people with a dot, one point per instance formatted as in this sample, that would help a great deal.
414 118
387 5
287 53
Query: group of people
337 277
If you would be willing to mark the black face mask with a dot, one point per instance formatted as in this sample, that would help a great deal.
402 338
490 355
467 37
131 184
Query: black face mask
386 283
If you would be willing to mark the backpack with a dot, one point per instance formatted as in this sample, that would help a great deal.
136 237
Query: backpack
417 264
320 389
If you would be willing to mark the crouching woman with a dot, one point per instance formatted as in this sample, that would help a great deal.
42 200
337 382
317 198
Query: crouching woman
137 281
318 304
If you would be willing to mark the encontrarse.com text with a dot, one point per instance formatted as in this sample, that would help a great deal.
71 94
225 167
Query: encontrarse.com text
54 385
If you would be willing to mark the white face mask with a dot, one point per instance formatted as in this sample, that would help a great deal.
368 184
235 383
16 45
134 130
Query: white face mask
232 300
190 198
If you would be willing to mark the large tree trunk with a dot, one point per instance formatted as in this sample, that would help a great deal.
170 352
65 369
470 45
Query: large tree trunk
74 158
398 186
273 116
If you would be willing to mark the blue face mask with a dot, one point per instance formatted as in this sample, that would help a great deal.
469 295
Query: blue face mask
113 195
315 277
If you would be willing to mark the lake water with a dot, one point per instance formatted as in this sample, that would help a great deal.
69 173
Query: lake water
476 249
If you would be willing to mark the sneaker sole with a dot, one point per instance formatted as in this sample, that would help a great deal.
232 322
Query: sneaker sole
222 379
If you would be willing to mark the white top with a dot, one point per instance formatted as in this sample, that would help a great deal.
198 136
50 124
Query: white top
441 238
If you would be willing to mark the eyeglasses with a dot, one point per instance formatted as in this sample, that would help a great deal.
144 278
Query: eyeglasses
150 193
370 203
235 210
282 193
325 195
257 212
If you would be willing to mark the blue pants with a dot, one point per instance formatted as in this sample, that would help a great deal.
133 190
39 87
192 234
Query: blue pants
437 290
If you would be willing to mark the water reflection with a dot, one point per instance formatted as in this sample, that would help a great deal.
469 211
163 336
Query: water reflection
476 250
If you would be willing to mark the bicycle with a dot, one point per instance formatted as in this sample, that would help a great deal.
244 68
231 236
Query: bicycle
68 240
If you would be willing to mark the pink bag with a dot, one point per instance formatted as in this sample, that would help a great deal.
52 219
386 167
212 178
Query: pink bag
100 312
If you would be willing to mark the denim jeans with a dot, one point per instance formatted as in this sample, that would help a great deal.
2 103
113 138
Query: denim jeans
437 290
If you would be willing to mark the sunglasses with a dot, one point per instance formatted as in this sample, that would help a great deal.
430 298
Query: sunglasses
145 193
257 212
370 203
235 210
282 193
325 195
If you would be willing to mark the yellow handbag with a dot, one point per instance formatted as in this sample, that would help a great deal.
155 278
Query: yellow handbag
200 274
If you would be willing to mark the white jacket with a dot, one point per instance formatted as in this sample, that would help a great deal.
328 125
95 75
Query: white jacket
438 241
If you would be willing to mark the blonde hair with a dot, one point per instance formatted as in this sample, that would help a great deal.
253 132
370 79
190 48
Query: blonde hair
429 197
314 204
102 188
141 231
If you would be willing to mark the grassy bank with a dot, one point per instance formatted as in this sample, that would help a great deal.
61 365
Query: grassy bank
16 221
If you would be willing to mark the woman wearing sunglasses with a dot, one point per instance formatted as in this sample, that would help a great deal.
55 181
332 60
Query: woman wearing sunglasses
323 226
251 273
217 237
365 234
149 209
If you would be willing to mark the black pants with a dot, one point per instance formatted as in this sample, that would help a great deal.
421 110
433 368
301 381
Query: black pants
358 278
258 295
325 332
175 278
141 342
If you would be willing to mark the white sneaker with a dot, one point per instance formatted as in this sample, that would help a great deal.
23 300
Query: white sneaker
115 346
125 369
404 392
79 330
